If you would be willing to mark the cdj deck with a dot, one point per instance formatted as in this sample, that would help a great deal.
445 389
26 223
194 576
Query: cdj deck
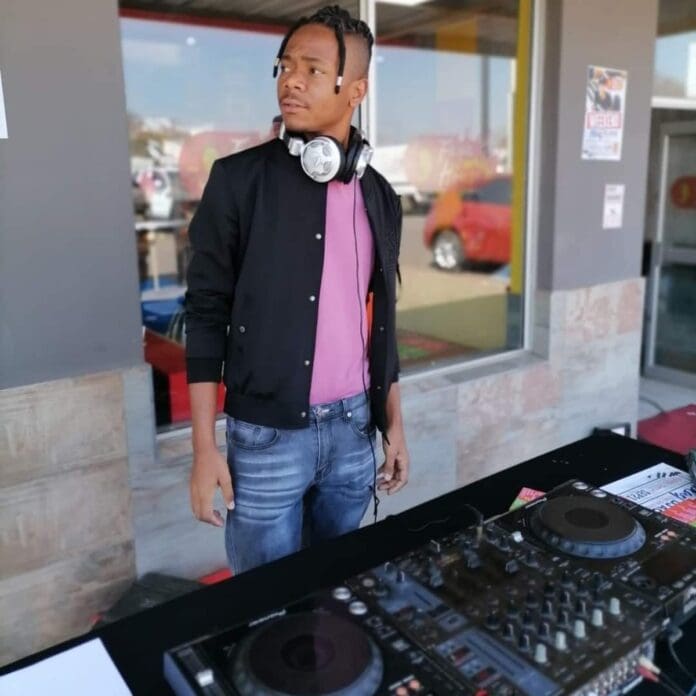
562 596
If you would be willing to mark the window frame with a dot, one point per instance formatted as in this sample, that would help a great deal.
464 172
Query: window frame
368 116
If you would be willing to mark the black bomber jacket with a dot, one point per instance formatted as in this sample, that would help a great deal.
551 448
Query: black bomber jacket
254 280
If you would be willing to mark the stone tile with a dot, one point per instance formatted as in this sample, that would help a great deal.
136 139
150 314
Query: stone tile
630 306
139 411
59 600
51 517
57 426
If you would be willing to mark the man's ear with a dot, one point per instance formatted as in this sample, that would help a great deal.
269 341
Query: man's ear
358 90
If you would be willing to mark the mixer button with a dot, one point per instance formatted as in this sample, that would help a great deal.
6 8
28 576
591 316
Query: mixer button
493 620
580 606
545 630
560 641
547 608
579 629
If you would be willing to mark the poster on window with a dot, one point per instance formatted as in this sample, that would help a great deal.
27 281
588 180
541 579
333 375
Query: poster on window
605 103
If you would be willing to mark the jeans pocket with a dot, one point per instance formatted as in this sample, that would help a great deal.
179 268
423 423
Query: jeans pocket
360 420
251 436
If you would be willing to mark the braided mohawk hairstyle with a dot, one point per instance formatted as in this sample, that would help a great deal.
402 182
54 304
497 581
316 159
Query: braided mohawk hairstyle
338 19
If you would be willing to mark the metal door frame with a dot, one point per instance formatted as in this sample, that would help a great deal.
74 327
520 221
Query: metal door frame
661 254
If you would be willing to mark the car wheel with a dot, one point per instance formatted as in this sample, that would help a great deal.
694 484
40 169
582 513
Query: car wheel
447 251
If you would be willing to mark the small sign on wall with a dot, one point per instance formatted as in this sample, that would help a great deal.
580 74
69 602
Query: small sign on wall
3 119
613 206
605 106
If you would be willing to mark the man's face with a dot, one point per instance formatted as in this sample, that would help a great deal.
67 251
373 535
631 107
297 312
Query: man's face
308 71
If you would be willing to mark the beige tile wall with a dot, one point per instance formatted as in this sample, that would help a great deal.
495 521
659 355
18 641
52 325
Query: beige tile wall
66 532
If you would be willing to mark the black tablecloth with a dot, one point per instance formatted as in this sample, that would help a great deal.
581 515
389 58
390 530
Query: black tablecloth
136 643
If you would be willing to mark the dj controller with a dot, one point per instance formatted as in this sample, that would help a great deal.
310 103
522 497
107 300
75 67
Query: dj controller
561 596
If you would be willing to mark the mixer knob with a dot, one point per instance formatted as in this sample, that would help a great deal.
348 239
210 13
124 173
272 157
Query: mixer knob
597 618
389 568
435 546
509 631
547 608
512 566
493 620
597 581
579 629
544 630
582 588
531 599
540 654
566 579
563 617
525 642
550 589
530 558
560 642
342 594
565 598
504 544
512 609
400 576
597 596
615 606
473 560
357 608
528 618
580 606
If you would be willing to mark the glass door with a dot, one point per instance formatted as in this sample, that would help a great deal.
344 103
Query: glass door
671 331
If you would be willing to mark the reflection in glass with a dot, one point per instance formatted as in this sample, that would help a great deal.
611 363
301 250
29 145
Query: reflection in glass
448 129
445 133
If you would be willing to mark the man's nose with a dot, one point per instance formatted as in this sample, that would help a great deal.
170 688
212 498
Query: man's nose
294 81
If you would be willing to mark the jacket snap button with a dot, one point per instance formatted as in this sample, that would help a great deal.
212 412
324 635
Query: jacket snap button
381 328
379 387
303 414
318 235
306 362
349 414
242 329
312 298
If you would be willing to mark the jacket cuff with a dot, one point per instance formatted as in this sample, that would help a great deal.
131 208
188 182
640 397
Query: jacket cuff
203 370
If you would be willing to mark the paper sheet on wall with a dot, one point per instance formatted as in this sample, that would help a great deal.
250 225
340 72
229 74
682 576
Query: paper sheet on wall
612 218
605 107
3 118
662 487
81 671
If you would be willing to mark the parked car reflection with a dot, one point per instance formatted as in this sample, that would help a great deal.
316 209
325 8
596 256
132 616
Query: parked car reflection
471 226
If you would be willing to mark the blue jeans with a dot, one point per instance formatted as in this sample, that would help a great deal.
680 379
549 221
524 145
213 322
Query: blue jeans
296 487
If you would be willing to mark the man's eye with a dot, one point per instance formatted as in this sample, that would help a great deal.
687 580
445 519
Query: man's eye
316 71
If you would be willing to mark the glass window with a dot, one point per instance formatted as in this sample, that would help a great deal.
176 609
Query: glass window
448 123
675 50
449 128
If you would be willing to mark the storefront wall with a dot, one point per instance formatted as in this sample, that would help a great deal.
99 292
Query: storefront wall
87 496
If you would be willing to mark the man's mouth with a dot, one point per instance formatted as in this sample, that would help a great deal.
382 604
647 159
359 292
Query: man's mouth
292 104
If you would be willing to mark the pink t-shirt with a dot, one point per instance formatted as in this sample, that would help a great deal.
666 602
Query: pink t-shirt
340 358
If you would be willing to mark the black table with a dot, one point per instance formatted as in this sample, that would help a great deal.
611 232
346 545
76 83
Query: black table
136 643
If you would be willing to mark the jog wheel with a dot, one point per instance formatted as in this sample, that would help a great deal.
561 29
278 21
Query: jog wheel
586 527
311 653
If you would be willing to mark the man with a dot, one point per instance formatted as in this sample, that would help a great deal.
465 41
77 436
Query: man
277 291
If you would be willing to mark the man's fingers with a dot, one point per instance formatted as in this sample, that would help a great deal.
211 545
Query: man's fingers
227 492
203 508
400 478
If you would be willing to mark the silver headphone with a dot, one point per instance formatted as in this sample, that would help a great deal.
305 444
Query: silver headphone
324 159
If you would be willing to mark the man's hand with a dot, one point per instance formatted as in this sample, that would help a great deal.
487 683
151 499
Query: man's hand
395 468
209 471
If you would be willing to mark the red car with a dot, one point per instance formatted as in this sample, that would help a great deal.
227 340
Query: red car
471 226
